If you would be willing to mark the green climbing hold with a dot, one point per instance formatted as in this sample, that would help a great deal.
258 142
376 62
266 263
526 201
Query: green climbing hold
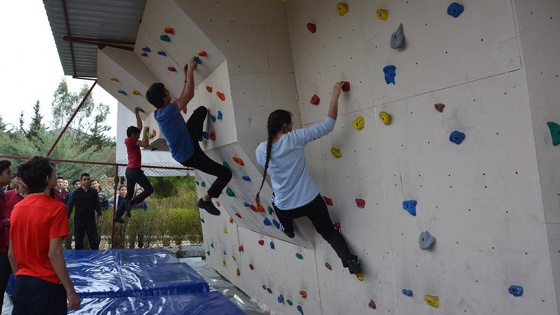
269 290
230 192
202 220
225 164
212 118
165 38
197 60
299 256
212 245
290 302
207 253
554 132
270 210
203 184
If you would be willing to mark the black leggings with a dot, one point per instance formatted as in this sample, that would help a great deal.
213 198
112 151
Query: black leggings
200 161
135 176
318 213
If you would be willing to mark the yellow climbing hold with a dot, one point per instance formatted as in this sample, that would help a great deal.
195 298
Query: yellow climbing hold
296 95
336 152
223 263
360 276
115 79
359 123
225 230
341 8
382 14
432 300
136 92
385 118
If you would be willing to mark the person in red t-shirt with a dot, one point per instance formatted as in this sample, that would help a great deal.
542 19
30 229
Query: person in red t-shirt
5 177
37 226
134 174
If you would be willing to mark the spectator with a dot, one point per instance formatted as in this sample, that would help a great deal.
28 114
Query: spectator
87 204
59 191
65 185
101 193
5 178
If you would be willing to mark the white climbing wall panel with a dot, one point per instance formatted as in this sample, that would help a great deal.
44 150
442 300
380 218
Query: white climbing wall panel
492 201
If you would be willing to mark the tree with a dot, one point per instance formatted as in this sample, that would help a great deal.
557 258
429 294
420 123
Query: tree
3 127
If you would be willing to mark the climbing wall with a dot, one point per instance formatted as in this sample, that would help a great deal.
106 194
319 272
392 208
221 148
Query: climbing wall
431 173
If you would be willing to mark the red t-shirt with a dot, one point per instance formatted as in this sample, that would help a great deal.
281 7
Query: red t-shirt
133 151
34 222
12 197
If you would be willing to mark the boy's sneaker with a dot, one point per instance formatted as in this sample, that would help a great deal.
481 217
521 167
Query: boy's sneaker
289 234
127 206
208 206
353 265
128 214
118 220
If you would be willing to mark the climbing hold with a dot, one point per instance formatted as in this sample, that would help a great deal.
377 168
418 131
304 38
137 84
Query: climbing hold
213 135
238 272
270 210
169 30
360 203
397 38
261 242
144 54
385 118
276 223
219 116
341 8
336 153
303 294
328 266
554 132
230 192
240 249
197 60
238 215
233 257
224 163
410 206
202 53
153 134
252 207
345 86
260 207
238 160
382 14
372 304
212 118
515 290
162 53
280 298
221 95
439 107
432 300
337 225
359 123
272 245
122 92
146 49
315 99
269 290
328 201
427 240
202 220
165 38
209 89
207 253
136 92
115 79
390 73
457 137
299 256
246 178
267 222
289 302
217 203
225 230
312 27
251 267
230 220
205 135
455 9
212 244
172 69
407 292
296 96
264 287
360 276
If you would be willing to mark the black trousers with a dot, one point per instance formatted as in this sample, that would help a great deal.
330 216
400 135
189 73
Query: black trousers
36 296
318 213
135 176
5 272
200 161
83 227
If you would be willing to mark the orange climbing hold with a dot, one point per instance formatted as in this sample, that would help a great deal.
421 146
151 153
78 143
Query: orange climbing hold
221 95
238 160
213 135
169 30
202 53
260 208
209 89
303 294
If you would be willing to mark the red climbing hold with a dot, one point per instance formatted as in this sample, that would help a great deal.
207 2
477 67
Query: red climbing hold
252 207
145 54
303 294
169 30
360 203
251 267
209 89
202 53
230 220
238 272
312 27
238 160
261 242
328 266
315 99
372 304
217 203
172 69
264 287
337 225
328 201
240 249
346 86
439 107
221 95
238 215
213 135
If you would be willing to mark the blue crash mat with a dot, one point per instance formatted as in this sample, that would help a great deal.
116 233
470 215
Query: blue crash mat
192 304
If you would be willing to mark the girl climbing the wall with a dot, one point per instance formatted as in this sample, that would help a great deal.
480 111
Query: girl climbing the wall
295 193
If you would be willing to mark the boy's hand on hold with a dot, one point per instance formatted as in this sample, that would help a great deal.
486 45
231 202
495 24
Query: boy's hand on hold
337 89
190 65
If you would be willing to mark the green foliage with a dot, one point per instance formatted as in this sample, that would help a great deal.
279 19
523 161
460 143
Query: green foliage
172 186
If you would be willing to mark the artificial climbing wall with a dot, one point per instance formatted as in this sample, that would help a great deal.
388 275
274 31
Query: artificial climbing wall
490 200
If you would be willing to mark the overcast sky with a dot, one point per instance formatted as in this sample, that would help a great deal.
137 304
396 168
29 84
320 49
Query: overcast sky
30 68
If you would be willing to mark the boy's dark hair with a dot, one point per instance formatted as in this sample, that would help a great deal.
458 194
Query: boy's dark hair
34 173
155 94
59 177
84 174
75 181
131 130
4 164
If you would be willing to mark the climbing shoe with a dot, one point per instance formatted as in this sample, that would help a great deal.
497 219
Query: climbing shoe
118 220
353 265
288 234
208 206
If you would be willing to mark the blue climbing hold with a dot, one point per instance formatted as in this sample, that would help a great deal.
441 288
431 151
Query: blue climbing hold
219 116
272 246
397 38
246 204
280 298
276 223
205 135
515 290
407 292
162 53
390 73
457 137
267 222
246 178
300 309
554 132
410 206
427 240
146 49
455 9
